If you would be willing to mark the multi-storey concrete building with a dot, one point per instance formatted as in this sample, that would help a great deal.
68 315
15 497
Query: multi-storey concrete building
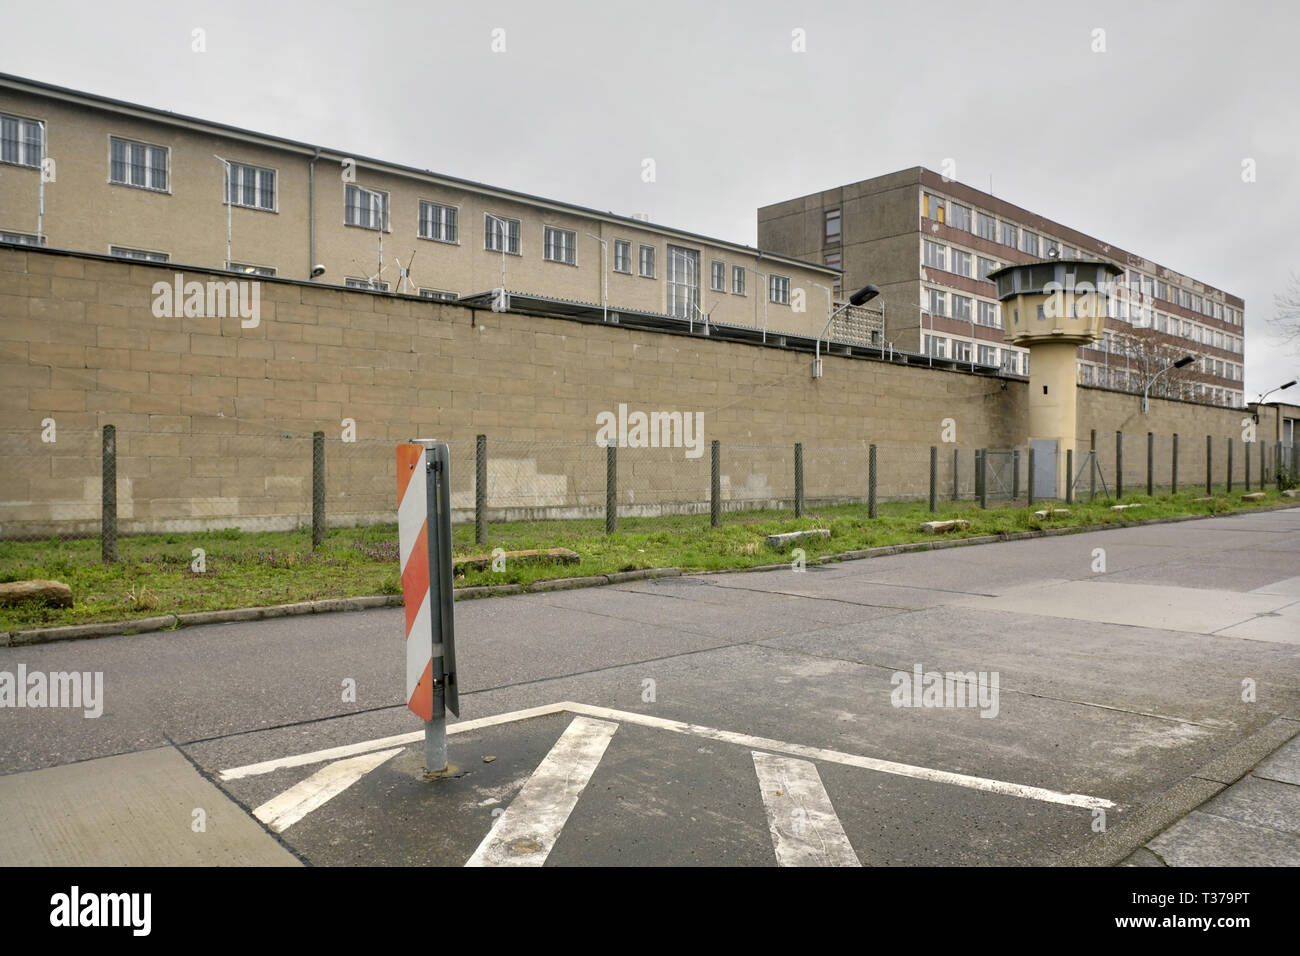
80 171
928 243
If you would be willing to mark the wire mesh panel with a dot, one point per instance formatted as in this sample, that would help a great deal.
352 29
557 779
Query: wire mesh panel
757 476
50 483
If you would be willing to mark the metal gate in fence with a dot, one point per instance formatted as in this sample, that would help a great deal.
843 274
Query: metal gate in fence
1001 467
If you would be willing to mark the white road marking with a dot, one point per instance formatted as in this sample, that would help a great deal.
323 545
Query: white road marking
805 829
400 740
526 832
281 812
851 760
678 727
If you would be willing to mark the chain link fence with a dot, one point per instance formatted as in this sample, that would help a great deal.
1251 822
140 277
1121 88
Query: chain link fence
52 484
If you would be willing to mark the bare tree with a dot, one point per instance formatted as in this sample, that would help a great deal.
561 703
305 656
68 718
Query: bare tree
1287 304
1136 359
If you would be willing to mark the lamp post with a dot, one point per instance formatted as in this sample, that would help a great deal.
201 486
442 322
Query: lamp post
762 290
862 296
500 225
1259 404
229 205
1183 362
604 277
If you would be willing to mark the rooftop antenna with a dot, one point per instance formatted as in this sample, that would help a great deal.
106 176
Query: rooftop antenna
405 272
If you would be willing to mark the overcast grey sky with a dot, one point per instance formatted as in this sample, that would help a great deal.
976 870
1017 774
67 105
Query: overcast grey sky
1141 145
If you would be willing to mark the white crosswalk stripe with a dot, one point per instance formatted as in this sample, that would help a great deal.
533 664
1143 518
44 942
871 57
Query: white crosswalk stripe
805 829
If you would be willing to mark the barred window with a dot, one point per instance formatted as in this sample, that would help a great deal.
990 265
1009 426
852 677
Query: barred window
251 186
499 234
437 222
137 164
21 141
560 246
622 255
366 208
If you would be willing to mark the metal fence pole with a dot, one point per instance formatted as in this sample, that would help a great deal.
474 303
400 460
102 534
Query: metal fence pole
108 498
1092 469
1209 465
798 479
1151 464
978 453
1015 474
1245 454
871 481
1029 483
611 488
1229 466
934 479
984 477
715 485
1173 475
317 489
1263 464
480 489
1069 476
1119 465
956 457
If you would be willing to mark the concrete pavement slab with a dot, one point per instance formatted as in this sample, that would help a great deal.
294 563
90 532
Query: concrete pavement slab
1205 839
135 809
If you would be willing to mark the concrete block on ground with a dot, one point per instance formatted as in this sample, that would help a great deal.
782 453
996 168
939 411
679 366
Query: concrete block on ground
782 541
939 527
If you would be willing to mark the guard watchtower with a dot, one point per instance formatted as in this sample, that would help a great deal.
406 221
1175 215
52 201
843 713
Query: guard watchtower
1051 308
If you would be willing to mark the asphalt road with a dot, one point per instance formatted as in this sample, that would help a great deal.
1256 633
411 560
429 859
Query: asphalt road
1113 687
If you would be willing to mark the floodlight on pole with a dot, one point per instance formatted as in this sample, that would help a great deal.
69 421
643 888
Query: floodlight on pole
861 297
1280 388
229 205
1183 362
604 277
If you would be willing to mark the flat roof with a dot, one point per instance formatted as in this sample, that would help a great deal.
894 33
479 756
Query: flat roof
95 101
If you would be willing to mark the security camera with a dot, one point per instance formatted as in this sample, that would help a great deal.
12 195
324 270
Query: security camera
317 271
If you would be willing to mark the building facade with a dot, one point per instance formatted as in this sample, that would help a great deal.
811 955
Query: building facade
83 172
928 243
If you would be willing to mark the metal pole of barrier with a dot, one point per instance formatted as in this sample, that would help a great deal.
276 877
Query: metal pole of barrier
1015 474
978 453
984 477
1029 482
1119 465
1173 474
424 514
480 489
1092 467
108 497
611 488
317 489
1229 466
798 479
1069 476
934 479
871 481
1151 464
715 486
1245 454
1209 465
956 458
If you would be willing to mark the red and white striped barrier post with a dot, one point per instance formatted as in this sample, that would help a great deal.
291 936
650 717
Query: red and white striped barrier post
424 543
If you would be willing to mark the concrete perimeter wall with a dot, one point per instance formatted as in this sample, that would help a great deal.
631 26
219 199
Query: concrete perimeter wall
214 419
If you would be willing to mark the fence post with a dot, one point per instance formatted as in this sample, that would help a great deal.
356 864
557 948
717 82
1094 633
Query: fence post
1229 466
715 485
317 489
480 489
1151 464
1069 476
956 457
871 481
934 479
1029 483
978 453
1119 465
1263 464
611 488
108 498
1209 465
798 479
1015 474
984 477
1173 474
1092 469
1277 464
1245 454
